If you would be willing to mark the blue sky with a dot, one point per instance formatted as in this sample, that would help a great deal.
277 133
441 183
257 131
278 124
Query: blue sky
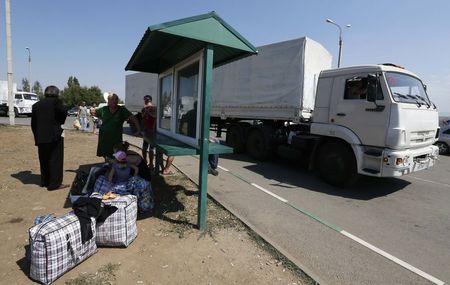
94 39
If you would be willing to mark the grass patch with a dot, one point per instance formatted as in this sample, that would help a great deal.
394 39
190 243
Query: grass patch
106 275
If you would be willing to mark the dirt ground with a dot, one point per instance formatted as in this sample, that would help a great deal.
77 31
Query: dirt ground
168 250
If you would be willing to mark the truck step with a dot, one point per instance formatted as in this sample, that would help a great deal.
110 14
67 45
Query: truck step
372 171
375 153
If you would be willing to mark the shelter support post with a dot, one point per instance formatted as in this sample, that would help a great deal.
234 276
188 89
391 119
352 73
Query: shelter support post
204 136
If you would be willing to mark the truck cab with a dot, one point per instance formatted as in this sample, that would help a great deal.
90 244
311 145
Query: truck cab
381 113
23 101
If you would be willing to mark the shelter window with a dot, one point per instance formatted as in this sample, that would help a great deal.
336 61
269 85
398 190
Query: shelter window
187 94
165 105
180 96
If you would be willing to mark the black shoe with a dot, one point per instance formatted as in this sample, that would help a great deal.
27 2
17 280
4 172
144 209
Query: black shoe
213 171
62 186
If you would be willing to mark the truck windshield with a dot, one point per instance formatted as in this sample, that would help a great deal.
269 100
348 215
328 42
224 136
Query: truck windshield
407 89
30 96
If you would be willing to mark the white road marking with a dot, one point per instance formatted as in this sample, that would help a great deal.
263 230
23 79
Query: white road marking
429 181
223 168
270 193
394 259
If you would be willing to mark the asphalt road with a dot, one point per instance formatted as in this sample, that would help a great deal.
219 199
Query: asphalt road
23 120
402 224
406 218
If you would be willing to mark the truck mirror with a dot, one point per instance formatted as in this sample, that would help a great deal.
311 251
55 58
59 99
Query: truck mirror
372 87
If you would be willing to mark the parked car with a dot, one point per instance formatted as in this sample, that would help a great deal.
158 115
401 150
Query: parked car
443 142
72 112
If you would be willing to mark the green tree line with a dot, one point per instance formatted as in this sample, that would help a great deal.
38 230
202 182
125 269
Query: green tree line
72 94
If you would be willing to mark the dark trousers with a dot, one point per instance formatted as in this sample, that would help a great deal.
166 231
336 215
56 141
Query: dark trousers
213 160
51 160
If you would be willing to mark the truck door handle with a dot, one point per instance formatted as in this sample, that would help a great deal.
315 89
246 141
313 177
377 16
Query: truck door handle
341 114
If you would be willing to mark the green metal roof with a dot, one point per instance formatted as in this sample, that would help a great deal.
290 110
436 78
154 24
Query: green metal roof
165 45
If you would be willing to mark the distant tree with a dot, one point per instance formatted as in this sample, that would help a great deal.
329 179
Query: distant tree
74 94
37 88
94 95
25 85
73 82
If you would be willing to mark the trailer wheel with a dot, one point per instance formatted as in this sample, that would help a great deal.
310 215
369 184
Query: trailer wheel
257 145
235 138
336 164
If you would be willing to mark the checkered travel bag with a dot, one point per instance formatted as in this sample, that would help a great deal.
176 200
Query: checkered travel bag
56 247
119 229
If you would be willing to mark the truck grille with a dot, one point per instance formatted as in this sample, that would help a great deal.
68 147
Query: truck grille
421 137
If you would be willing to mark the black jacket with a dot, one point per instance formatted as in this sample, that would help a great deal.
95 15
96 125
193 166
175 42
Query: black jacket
46 119
85 208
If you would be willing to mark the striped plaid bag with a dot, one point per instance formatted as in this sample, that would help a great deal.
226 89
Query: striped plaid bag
119 229
56 247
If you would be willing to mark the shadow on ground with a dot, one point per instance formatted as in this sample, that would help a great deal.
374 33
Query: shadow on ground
24 263
26 177
293 174
167 200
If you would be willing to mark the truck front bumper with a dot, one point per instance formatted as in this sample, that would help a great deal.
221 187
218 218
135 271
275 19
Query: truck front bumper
24 110
402 162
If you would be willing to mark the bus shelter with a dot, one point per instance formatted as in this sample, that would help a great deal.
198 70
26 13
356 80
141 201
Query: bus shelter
183 53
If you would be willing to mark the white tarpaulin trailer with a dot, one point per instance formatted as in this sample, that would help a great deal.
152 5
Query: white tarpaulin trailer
278 83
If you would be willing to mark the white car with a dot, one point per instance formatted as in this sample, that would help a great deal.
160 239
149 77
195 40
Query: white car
72 112
444 140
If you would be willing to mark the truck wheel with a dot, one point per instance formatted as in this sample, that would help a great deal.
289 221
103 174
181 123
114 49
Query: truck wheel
257 145
16 112
235 138
336 164
443 147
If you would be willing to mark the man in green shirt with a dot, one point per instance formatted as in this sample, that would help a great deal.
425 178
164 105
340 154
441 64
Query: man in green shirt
113 116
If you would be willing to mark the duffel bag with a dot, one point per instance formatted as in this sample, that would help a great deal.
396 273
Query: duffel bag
118 229
56 247
142 189
84 183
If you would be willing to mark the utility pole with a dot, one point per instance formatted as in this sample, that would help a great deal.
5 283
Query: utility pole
29 69
9 60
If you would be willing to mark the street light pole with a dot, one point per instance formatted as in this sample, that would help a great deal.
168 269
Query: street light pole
340 39
29 67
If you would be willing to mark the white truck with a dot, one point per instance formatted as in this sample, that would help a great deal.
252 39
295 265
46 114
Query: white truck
23 101
374 120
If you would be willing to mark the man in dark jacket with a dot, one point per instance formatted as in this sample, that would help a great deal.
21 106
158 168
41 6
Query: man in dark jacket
47 117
